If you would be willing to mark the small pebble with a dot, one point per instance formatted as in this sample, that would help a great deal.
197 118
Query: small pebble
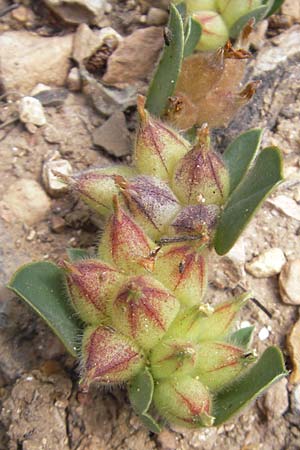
53 185
263 334
31 111
267 264
289 282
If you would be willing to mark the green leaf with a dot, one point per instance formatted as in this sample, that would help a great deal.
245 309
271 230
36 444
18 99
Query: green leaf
247 197
242 337
240 153
181 8
273 6
75 254
257 13
41 285
164 81
266 371
193 32
140 391
150 423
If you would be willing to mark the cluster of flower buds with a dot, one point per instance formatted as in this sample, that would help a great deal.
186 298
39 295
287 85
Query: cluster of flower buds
217 18
142 297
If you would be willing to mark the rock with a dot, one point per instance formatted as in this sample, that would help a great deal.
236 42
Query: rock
27 201
228 271
78 11
52 183
52 134
267 264
52 97
296 399
113 135
289 282
108 100
74 80
40 87
276 401
135 57
263 334
27 59
31 111
286 205
57 224
293 346
87 41
157 16
167 440
291 8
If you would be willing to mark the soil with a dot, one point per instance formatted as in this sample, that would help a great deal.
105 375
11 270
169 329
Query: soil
41 406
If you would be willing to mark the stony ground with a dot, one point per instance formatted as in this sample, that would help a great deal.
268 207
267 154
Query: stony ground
76 129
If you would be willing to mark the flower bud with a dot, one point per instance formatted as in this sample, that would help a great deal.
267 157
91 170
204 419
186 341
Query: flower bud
173 357
201 5
184 401
196 219
184 271
96 187
205 323
91 285
233 10
143 310
125 244
158 147
201 177
151 203
214 30
108 357
219 363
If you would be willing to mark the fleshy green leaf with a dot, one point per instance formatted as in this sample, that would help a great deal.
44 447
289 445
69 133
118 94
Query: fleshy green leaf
193 32
76 254
240 153
140 392
242 337
266 371
257 14
164 81
273 6
41 285
247 197
150 423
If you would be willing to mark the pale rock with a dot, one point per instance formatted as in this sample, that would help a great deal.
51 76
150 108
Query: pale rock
78 11
296 399
40 87
293 346
276 401
27 59
135 57
267 264
52 134
228 271
289 282
27 201
157 17
291 8
286 46
87 41
263 334
31 111
51 170
113 135
74 80
287 205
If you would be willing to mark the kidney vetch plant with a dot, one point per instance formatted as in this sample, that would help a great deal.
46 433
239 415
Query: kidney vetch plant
137 312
